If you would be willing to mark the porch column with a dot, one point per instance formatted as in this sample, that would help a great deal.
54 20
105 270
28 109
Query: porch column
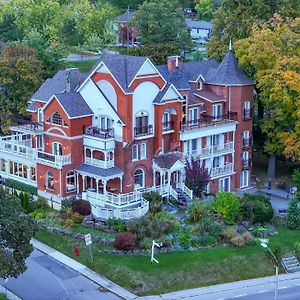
83 183
121 185
161 177
92 155
169 180
104 182
91 182
154 173
97 186
180 179
77 182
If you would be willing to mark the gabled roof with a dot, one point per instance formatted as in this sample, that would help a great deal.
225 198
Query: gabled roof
122 67
229 73
58 83
126 16
99 172
31 107
198 24
160 96
166 161
73 104
208 95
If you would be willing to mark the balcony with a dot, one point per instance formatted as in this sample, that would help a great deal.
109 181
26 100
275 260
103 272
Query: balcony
212 151
246 164
104 164
18 149
167 126
227 169
207 120
246 143
247 114
53 160
27 126
142 131
99 138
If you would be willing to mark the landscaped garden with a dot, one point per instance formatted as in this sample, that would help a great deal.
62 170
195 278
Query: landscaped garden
207 243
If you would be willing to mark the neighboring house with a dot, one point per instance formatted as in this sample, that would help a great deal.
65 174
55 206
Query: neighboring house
129 127
199 30
127 34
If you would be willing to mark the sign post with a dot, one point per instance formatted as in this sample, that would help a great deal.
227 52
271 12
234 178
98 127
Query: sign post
152 252
88 242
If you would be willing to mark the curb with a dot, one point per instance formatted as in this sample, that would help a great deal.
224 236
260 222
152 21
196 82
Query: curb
83 270
8 293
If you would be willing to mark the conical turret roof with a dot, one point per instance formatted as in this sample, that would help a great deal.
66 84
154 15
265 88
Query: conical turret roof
229 73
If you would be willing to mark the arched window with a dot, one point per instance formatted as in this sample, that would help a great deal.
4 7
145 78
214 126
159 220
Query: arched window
70 181
141 123
56 119
139 179
49 181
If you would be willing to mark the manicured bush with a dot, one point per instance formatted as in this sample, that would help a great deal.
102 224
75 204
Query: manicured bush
21 186
69 223
256 208
293 214
155 201
77 218
227 206
81 206
26 202
125 241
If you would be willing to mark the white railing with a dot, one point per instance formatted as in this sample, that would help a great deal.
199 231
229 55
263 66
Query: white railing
104 164
188 191
51 159
118 213
219 171
18 149
173 193
214 150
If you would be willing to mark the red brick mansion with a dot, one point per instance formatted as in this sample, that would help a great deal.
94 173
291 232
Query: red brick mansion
128 127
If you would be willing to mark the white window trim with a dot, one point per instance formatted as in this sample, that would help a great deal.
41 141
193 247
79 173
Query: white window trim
137 152
145 151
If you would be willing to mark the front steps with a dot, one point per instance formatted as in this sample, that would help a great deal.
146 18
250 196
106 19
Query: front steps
291 264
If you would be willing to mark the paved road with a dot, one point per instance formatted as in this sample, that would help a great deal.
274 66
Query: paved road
48 279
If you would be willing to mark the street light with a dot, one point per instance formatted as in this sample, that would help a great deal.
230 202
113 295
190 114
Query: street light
265 245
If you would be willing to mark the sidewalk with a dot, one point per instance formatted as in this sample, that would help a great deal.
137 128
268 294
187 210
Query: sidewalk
9 295
85 271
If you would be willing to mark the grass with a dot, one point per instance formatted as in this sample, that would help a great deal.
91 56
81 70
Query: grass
2 297
93 231
84 66
177 270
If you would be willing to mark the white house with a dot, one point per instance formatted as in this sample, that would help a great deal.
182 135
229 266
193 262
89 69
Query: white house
199 30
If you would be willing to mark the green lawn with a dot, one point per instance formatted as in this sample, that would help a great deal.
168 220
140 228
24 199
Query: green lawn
2 297
177 270
84 66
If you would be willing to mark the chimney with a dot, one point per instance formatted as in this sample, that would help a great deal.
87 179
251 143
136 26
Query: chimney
173 62
68 80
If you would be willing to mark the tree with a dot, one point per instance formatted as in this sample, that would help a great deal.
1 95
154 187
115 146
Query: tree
293 214
235 18
161 21
227 206
197 176
205 9
271 56
16 231
20 77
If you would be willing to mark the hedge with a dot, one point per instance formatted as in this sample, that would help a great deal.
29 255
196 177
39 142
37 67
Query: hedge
21 186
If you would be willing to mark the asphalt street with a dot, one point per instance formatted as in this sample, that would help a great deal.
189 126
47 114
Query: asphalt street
48 279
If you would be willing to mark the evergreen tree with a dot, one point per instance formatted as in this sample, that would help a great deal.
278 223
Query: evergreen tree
293 216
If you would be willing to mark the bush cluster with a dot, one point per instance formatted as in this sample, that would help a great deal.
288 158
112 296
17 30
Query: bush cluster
125 241
116 224
231 236
21 186
155 201
81 206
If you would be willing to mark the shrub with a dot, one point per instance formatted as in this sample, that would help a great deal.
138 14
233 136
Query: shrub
41 203
77 218
297 248
38 214
26 202
155 201
145 243
116 224
227 206
207 226
185 238
277 251
293 214
204 241
256 208
229 233
21 186
197 212
81 206
238 241
165 241
167 218
125 241
247 237
69 223
66 203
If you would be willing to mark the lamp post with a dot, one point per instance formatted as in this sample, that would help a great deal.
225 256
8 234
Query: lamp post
265 245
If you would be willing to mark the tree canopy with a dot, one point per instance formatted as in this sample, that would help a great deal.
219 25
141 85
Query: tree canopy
205 9
16 231
271 55
161 21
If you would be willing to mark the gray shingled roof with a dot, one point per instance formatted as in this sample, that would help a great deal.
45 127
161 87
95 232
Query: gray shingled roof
58 83
166 161
99 172
123 67
31 107
198 24
208 95
126 17
160 95
229 72
73 104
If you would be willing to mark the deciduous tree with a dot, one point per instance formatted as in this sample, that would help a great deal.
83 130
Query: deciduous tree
16 231
205 9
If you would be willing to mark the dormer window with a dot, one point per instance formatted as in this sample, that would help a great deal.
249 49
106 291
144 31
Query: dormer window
199 85
56 119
